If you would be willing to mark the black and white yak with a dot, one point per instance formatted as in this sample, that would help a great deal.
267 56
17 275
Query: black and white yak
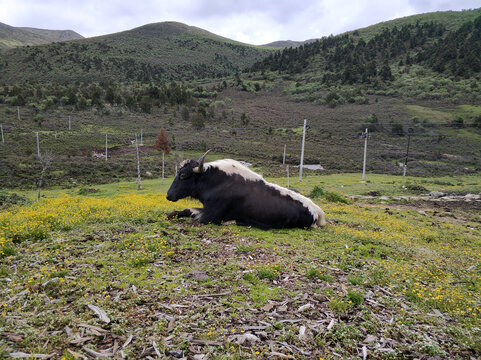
230 191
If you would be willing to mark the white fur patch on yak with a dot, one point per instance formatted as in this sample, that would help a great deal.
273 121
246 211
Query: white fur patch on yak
195 213
231 167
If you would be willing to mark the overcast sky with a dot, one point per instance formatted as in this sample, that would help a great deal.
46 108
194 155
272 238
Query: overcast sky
250 21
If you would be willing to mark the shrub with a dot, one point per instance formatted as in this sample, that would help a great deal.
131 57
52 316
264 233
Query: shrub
8 199
371 123
477 122
198 121
86 191
146 104
333 99
416 188
244 119
270 271
361 100
457 122
38 119
7 250
185 113
397 129
317 192
15 101
335 197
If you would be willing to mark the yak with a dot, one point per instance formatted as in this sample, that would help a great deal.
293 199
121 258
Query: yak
230 191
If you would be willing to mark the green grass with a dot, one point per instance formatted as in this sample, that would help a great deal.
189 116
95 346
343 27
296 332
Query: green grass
368 261
345 184
470 109
430 114
389 185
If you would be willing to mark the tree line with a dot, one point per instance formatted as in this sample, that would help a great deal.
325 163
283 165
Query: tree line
458 54
135 97
349 59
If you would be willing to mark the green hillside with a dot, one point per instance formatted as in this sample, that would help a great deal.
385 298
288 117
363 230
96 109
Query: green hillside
452 20
406 57
284 44
12 37
54 35
167 50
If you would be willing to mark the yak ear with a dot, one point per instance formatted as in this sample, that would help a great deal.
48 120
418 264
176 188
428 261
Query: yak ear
199 169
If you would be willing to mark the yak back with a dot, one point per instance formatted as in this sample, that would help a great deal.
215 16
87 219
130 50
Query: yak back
234 192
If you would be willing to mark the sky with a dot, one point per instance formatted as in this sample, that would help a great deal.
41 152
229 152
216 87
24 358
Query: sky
250 21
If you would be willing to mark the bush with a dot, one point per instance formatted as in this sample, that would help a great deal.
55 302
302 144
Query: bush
7 250
361 100
371 123
146 104
313 274
8 199
416 188
477 122
185 113
333 99
458 122
397 129
198 121
335 197
86 191
316 193
38 119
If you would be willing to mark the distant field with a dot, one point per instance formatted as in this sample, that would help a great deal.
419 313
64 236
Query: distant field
249 125
346 184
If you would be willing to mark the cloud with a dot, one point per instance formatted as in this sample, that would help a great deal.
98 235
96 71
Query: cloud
250 21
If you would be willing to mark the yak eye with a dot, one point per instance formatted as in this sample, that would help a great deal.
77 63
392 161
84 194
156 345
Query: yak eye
182 176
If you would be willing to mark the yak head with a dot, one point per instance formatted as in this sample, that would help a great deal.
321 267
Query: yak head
184 184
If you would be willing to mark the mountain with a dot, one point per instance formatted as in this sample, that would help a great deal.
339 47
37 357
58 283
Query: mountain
54 35
447 44
160 51
452 20
12 37
284 44
288 43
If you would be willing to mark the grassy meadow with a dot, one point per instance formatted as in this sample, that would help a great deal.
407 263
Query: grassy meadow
103 273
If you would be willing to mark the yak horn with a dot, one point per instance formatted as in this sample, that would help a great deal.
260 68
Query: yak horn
200 168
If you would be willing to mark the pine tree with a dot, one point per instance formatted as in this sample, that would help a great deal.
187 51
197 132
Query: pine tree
385 72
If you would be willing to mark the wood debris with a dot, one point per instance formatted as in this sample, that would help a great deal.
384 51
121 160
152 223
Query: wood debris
100 313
